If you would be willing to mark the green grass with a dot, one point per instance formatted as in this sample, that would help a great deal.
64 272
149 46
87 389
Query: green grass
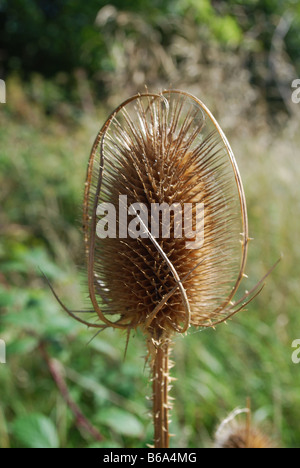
42 170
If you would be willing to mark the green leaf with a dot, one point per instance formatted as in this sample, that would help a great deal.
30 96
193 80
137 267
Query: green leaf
35 312
6 297
35 431
121 422
105 444
22 345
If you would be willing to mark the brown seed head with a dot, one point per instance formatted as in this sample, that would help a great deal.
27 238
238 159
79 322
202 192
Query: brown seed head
234 433
164 149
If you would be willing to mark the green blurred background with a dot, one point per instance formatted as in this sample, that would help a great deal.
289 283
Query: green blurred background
66 65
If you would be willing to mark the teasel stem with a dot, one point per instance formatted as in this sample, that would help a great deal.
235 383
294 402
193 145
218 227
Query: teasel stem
161 380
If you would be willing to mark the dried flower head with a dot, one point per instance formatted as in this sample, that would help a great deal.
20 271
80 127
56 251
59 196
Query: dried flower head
165 227
236 433
165 149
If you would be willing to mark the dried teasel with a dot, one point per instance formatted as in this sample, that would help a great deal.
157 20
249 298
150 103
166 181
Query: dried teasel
163 150
233 432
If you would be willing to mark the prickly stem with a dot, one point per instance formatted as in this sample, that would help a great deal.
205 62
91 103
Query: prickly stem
161 406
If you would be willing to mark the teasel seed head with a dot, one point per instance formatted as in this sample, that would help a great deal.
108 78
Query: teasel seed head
168 149
236 433
163 157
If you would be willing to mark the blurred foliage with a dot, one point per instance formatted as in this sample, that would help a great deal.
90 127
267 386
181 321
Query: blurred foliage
56 38
59 57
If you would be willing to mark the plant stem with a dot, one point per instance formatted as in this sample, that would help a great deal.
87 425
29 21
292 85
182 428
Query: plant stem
160 396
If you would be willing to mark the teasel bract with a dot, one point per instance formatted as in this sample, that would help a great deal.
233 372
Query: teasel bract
163 150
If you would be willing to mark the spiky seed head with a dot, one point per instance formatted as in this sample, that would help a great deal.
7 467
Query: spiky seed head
238 437
155 149
237 432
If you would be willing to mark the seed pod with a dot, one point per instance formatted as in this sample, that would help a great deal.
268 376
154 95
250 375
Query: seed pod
234 433
164 151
